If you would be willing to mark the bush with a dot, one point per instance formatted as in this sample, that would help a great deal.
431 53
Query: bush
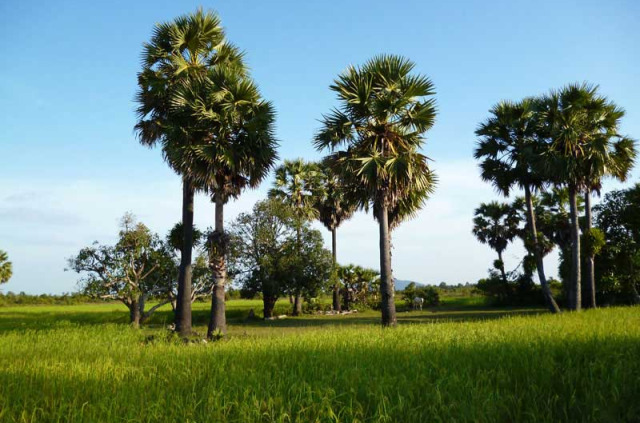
520 291
430 295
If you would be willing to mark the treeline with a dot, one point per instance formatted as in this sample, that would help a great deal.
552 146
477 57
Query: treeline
21 298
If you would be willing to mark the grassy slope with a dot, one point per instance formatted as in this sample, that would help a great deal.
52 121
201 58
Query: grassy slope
69 363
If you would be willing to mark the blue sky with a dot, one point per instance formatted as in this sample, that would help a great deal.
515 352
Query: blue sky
70 164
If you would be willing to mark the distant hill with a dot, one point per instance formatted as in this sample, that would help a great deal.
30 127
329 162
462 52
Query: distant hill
402 284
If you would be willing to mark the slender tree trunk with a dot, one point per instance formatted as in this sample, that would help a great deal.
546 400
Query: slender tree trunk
269 303
537 253
575 290
218 320
134 314
297 304
297 301
386 277
183 310
591 271
336 286
504 275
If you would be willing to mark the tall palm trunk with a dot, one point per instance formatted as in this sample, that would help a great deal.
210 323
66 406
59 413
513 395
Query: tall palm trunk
504 274
218 320
297 301
386 278
591 276
537 253
336 287
575 294
183 309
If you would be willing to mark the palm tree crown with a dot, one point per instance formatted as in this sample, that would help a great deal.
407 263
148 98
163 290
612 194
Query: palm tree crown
384 112
299 184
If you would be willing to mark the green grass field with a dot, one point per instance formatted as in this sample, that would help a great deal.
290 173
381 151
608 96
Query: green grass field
455 363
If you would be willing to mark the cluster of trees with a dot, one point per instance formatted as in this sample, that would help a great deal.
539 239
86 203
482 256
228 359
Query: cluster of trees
557 148
275 254
197 101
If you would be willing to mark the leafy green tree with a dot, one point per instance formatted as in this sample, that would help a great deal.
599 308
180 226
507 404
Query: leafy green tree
360 284
618 270
496 224
582 128
298 184
238 153
510 151
271 254
334 208
6 268
130 271
384 112
179 51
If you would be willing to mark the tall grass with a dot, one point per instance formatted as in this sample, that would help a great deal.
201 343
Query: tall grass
572 367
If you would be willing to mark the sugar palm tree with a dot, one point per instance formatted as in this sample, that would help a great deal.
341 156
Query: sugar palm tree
510 149
375 137
582 128
6 270
299 185
237 153
614 156
496 224
334 208
183 49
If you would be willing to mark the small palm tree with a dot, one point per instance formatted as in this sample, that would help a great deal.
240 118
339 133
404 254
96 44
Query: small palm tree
334 208
299 185
181 50
384 113
237 153
6 268
510 149
496 224
582 129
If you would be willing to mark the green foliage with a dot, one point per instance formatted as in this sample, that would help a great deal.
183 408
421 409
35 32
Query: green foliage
6 269
517 290
430 294
11 298
360 286
272 254
333 205
618 262
384 111
593 241
496 224
300 185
